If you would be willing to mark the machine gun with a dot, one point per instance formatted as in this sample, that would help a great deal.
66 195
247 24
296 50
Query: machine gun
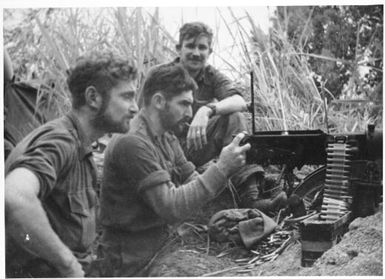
350 156
347 185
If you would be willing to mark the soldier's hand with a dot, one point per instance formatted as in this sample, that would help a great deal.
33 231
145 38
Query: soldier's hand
196 136
233 156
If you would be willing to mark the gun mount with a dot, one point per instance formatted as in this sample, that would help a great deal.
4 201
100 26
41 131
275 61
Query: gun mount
347 185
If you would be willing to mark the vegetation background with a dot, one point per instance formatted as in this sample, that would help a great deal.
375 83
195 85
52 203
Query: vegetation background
318 67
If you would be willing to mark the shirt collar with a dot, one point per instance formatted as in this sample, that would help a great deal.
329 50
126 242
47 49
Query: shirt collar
84 149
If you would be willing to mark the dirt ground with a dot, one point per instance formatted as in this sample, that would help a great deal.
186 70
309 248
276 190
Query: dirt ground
191 253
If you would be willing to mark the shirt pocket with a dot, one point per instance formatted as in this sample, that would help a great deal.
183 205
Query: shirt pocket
82 207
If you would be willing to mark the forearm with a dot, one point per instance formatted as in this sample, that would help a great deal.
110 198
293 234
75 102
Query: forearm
175 203
36 235
234 103
28 225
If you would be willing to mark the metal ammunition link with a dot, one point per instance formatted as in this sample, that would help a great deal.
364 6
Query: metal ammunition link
337 197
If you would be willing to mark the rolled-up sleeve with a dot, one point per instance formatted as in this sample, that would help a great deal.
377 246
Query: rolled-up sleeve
171 200
154 179
139 162
48 158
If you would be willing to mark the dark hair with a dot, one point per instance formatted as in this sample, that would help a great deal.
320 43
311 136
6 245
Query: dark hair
103 70
169 79
194 30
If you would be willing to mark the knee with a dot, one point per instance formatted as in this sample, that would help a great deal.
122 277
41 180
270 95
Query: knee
237 122
237 117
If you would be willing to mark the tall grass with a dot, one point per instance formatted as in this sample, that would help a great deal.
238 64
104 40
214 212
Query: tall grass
286 95
48 41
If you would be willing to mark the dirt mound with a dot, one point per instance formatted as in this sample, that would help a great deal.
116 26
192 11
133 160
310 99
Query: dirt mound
358 253
193 254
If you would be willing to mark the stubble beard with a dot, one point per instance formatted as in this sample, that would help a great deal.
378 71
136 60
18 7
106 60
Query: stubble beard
104 122
169 124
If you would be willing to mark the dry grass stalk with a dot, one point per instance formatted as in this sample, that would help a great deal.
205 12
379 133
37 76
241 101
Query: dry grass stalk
286 95
49 40
222 271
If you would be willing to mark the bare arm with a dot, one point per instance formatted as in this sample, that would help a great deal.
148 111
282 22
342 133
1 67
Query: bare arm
27 222
234 103
197 132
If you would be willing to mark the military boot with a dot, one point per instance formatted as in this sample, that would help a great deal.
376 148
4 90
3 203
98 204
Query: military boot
249 191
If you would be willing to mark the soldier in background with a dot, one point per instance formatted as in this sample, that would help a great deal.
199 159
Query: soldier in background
217 117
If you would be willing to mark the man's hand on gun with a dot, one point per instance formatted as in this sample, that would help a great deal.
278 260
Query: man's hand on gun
233 156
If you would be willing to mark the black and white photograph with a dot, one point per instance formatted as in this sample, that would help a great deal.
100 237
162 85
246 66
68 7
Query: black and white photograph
202 139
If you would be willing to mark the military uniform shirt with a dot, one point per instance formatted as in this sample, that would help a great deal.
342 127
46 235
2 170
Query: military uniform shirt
137 167
56 153
212 85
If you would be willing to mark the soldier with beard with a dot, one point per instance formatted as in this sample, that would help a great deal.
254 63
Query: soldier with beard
50 175
148 183
217 117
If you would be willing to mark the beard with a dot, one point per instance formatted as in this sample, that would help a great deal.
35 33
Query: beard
104 122
178 127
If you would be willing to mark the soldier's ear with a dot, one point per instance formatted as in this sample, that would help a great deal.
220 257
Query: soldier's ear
93 97
158 101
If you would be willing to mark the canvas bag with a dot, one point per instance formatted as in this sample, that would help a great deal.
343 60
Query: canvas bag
241 226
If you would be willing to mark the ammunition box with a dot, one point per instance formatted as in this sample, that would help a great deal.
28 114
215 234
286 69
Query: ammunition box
318 236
